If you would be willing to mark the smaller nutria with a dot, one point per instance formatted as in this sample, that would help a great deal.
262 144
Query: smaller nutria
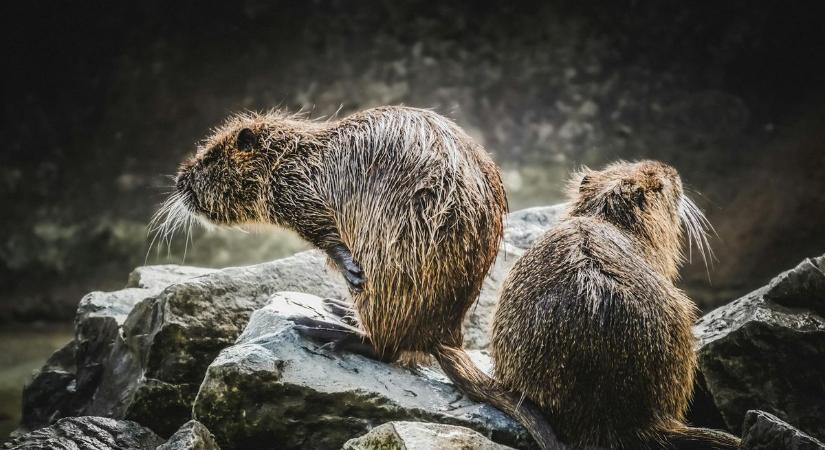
590 325
406 205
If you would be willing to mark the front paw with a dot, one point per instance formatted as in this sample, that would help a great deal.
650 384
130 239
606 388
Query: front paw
355 278
351 270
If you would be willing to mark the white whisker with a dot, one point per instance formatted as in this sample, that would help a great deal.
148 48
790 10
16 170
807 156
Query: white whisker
169 218
697 227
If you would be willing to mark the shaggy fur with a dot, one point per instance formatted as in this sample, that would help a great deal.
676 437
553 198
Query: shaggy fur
590 325
416 201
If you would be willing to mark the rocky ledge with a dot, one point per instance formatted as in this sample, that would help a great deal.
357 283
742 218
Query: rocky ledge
181 343
766 351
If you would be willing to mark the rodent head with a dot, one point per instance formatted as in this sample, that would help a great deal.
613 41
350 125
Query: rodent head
228 181
645 198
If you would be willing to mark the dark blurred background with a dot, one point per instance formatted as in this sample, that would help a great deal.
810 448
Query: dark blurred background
102 99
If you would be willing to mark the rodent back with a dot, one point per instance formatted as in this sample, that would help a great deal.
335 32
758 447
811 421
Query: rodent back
593 334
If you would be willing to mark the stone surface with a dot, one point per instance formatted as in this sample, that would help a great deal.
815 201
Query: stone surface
764 431
193 435
766 351
274 388
88 433
421 436
145 348
68 383
170 339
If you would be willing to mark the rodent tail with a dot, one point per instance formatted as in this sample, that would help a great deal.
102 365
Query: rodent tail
480 387
682 437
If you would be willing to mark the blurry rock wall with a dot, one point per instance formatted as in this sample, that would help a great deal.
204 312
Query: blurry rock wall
101 100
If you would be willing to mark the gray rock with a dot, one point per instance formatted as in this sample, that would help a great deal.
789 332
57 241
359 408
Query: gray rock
88 433
523 227
193 435
273 388
68 383
145 348
170 339
764 431
422 436
766 350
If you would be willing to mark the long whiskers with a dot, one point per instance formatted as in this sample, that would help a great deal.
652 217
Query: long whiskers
697 228
172 216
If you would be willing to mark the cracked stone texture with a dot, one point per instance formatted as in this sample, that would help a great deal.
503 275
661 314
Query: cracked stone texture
88 433
146 348
421 436
764 431
275 388
766 351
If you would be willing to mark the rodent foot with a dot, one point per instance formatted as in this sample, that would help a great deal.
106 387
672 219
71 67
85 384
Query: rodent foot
342 310
352 272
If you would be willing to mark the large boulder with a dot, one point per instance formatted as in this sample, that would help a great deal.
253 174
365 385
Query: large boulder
171 339
274 388
766 351
146 348
763 431
69 381
422 436
87 433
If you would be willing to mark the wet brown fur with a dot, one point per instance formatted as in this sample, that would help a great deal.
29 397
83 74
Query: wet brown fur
417 202
590 325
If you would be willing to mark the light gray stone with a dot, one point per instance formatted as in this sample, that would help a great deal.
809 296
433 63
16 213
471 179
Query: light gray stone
422 436
274 388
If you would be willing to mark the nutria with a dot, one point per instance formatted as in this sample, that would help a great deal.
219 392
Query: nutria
590 325
405 204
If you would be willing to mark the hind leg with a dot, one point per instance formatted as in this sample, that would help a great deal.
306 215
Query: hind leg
338 337
341 309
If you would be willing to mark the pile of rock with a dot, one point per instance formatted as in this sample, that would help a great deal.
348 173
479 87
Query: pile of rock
186 358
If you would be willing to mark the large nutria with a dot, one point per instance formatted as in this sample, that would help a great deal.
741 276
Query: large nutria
590 325
406 205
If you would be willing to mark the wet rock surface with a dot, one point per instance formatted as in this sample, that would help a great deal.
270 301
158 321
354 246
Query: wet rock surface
766 351
88 433
764 431
421 436
291 393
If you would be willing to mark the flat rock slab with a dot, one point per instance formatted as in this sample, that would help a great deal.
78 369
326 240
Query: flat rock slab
88 433
764 431
275 389
766 351
422 436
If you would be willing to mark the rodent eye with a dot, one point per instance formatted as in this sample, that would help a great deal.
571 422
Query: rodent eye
245 141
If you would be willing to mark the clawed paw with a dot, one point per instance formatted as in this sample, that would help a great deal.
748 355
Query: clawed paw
352 272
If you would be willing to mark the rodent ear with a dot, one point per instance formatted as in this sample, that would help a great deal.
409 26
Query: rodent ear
245 141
